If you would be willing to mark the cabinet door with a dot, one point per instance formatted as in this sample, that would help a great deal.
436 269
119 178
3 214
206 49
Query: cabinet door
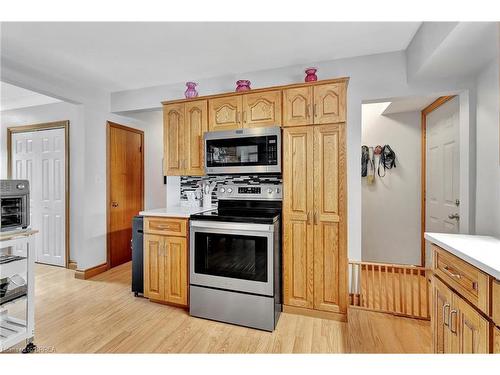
496 340
225 113
330 103
442 337
262 109
173 139
195 127
154 266
470 327
297 106
176 269
330 253
297 217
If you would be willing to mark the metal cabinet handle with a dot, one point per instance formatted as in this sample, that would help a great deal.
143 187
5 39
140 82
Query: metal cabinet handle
446 322
449 272
308 110
237 116
315 114
454 216
114 204
308 217
315 218
244 116
453 330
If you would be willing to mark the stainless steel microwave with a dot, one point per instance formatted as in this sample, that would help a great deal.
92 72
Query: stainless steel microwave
243 151
15 204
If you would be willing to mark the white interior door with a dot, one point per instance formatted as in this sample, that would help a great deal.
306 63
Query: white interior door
443 169
40 158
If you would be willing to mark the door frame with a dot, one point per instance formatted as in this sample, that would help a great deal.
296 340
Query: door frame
64 124
109 125
425 112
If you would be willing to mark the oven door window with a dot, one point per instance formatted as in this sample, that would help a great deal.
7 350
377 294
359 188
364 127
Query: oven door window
12 211
233 256
239 152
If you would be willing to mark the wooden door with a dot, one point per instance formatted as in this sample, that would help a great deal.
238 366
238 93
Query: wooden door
174 153
297 216
196 125
262 109
154 266
442 336
225 113
125 189
329 103
470 327
330 253
297 106
176 270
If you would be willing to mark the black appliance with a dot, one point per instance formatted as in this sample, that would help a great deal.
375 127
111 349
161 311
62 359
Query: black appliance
137 255
15 204
235 257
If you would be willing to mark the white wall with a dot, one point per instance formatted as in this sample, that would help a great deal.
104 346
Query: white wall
391 206
488 163
48 113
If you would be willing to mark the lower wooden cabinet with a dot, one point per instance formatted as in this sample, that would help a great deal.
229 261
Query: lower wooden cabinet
496 340
457 326
165 268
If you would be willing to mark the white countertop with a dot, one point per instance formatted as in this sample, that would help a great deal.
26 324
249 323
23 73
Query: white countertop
176 211
482 252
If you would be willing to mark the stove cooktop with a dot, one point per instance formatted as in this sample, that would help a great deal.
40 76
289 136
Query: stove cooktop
242 215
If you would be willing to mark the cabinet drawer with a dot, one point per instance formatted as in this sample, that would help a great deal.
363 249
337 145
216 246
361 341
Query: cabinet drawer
166 226
466 279
495 302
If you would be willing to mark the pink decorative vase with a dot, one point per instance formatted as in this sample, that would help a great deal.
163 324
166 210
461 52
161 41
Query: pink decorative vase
191 90
311 75
242 85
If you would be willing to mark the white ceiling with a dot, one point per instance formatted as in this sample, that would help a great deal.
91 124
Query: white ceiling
120 56
12 97
409 104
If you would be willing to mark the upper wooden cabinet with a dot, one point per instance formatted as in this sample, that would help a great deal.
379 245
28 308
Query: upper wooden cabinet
329 103
225 113
183 127
314 105
297 106
262 109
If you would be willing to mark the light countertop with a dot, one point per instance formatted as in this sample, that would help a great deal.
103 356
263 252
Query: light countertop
482 252
176 211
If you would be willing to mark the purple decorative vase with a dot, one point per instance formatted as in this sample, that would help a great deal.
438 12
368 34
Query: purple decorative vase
191 90
242 85
311 75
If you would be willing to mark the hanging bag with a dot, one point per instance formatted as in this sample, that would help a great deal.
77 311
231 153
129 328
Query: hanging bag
387 160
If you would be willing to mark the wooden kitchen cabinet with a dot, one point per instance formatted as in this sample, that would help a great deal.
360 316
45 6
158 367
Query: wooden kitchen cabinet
329 103
315 257
173 139
225 113
457 327
297 106
262 109
183 127
297 212
165 262
496 340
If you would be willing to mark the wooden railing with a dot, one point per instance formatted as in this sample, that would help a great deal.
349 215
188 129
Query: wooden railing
392 288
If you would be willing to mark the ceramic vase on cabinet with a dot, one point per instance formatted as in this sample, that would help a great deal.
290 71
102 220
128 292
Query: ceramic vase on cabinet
242 85
191 90
311 75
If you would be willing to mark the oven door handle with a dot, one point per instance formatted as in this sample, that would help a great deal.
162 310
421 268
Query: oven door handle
245 227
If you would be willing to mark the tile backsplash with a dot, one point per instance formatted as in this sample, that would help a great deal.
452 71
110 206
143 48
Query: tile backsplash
190 183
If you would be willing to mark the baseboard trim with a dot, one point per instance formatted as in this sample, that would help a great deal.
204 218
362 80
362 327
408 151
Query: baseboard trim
72 265
315 313
91 272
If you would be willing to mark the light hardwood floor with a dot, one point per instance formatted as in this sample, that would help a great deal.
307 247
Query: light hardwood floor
102 315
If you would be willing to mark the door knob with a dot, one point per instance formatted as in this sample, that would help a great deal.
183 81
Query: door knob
454 216
114 204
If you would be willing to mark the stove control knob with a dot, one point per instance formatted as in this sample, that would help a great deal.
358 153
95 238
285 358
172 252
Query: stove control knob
222 190
229 190
277 190
270 191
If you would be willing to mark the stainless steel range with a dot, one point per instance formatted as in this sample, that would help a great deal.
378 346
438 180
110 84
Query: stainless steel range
235 257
